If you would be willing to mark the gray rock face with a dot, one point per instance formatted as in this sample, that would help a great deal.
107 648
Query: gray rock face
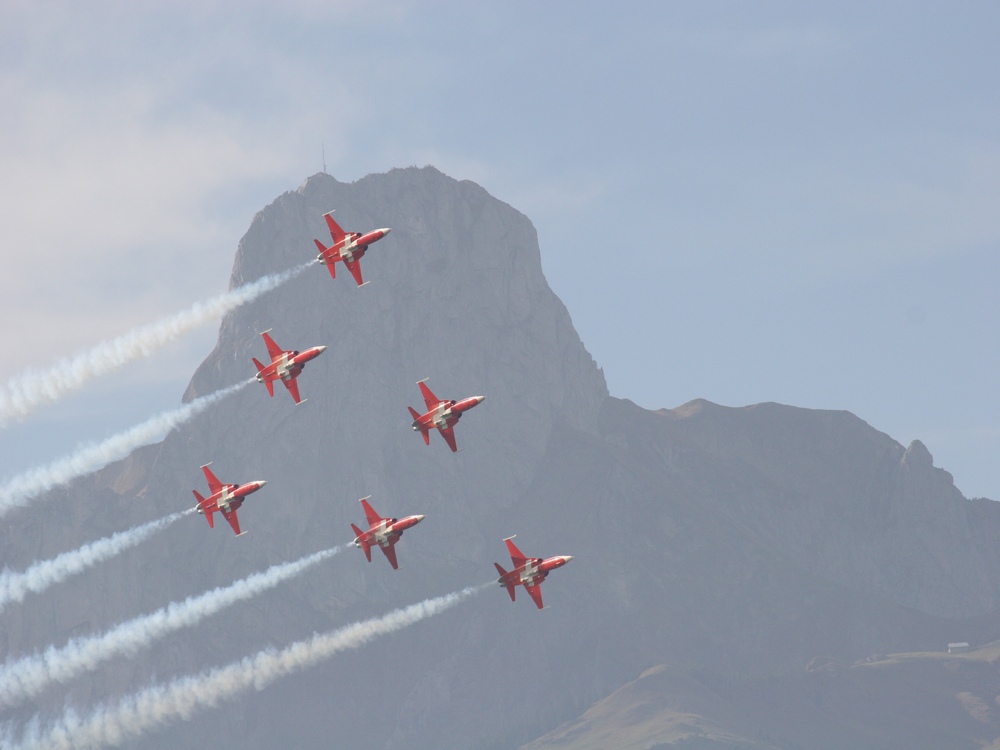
819 483
734 540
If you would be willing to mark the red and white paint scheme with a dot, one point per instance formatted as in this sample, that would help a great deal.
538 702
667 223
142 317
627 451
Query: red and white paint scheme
441 414
384 532
528 571
225 498
349 247
286 364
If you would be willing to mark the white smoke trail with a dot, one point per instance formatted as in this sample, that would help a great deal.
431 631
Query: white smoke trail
17 491
181 698
31 675
31 389
15 586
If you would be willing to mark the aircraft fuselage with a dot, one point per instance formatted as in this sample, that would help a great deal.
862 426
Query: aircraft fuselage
289 364
231 496
352 247
446 414
387 531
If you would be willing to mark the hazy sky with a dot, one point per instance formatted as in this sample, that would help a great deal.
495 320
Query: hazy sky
740 201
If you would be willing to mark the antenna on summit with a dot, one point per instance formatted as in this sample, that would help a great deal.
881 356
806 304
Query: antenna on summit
323 147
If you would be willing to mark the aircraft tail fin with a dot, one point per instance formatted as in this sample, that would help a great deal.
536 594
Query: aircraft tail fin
426 433
268 383
203 506
364 545
331 263
504 581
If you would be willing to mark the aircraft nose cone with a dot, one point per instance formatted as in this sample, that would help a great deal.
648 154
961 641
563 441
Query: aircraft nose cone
386 230
480 399
567 558
261 483
320 349
419 518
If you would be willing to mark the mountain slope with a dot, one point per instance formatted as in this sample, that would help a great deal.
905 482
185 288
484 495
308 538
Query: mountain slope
886 703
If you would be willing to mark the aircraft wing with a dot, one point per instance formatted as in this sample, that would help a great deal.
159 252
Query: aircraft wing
429 398
448 433
370 514
214 485
230 516
336 232
536 593
516 556
292 384
354 267
390 553
273 349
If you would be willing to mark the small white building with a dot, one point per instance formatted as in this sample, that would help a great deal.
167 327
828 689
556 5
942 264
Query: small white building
958 648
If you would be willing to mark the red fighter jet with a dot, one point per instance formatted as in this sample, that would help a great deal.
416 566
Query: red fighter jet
349 247
225 498
285 366
441 414
384 532
528 571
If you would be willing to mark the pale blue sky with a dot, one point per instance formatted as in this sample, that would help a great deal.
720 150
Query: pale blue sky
741 201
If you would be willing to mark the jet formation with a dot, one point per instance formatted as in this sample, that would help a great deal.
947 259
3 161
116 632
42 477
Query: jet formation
443 414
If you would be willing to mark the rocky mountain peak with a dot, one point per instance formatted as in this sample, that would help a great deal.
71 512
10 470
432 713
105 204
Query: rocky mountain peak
917 456
721 540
